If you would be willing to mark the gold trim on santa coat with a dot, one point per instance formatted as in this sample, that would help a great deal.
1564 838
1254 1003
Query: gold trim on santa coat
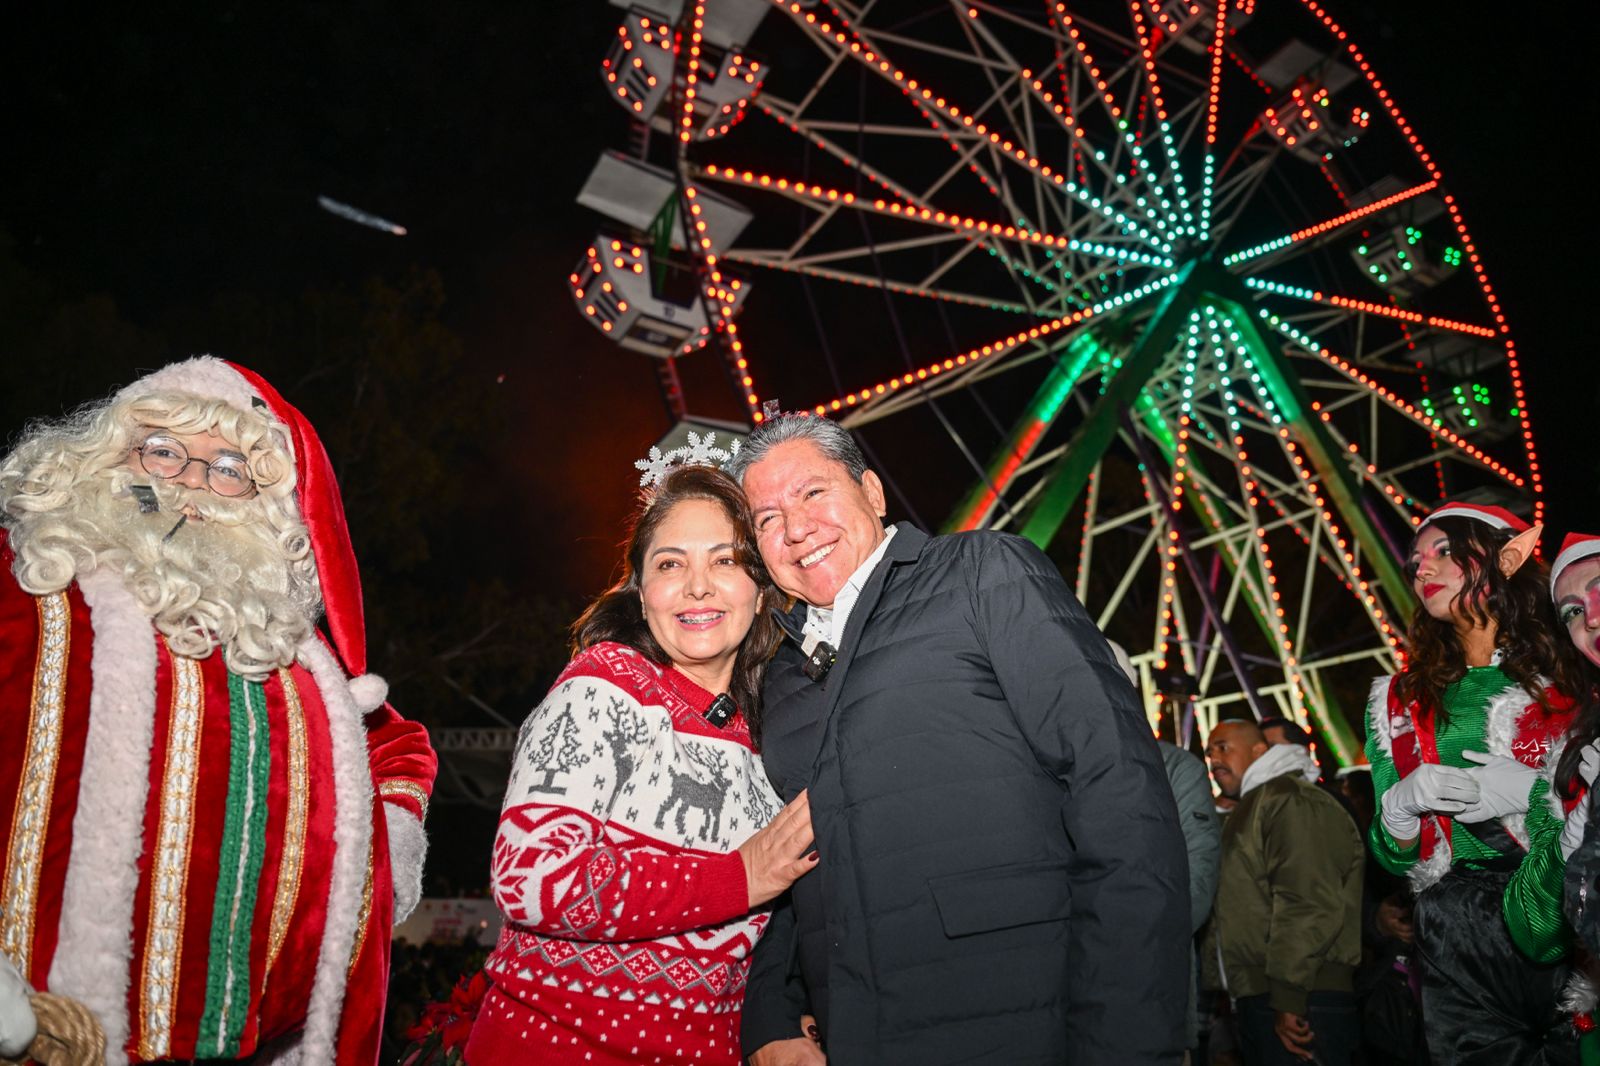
20 893
170 867
409 789
292 861
364 917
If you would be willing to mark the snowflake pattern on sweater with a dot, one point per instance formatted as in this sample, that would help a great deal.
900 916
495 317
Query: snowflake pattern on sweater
615 862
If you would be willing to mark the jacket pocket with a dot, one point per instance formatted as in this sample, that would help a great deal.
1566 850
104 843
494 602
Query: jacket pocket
981 901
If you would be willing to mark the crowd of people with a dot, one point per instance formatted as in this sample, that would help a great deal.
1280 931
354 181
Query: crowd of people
813 787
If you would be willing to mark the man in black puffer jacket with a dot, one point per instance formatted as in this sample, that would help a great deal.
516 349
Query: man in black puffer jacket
1002 875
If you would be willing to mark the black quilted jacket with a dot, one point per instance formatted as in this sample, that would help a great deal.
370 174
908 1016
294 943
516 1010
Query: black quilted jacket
1002 876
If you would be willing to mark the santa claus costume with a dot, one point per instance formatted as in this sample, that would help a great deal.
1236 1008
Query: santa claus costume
1483 1002
206 857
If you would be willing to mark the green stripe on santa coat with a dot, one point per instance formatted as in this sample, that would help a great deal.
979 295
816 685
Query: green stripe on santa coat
243 850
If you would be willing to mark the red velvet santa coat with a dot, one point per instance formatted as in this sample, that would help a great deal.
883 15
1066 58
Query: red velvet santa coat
202 862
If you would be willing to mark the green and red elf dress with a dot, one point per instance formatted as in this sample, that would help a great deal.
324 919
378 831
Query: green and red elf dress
1483 1000
1533 905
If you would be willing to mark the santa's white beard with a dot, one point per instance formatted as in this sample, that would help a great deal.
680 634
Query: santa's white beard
219 580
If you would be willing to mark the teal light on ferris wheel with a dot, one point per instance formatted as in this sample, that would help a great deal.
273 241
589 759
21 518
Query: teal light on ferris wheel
1156 159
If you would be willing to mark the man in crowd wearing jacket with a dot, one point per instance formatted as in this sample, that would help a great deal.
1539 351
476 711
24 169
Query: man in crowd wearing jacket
1287 925
1202 839
1002 877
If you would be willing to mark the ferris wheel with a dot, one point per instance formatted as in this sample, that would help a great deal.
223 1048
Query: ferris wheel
1190 257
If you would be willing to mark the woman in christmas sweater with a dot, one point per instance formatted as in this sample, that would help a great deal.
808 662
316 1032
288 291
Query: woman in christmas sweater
631 861
1456 742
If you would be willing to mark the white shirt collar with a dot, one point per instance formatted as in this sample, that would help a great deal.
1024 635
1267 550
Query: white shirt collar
828 623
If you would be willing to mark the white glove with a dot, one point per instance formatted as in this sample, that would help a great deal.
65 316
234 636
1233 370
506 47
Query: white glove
1578 819
1503 786
17 1023
1429 789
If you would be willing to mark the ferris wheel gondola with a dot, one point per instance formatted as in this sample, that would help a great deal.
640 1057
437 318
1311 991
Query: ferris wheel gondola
1195 248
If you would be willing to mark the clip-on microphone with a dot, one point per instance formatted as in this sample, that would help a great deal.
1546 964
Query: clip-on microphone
721 711
820 655
146 498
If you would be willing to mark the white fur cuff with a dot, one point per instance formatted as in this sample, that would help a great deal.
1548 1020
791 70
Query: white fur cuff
408 846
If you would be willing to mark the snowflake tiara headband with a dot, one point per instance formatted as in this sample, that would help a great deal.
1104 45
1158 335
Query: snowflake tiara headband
698 452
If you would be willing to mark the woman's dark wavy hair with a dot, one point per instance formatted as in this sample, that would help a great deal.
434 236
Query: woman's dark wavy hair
617 614
1519 606
1585 728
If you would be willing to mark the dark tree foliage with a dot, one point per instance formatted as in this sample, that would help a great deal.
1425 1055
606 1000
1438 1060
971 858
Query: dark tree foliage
450 621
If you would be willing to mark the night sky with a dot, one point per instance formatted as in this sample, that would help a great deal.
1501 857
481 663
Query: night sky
166 159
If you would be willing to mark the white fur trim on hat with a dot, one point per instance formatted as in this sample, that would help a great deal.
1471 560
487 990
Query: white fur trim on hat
204 375
1497 517
1570 554
368 691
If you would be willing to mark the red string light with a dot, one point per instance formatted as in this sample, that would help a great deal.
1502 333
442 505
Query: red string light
875 282
1005 344
1214 94
1389 397
929 216
712 280
1361 212
1368 307
1534 477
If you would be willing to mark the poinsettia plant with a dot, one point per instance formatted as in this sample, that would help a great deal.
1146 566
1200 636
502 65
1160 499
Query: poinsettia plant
440 1036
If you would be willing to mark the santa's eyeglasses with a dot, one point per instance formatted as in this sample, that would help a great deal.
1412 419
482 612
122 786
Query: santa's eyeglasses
165 458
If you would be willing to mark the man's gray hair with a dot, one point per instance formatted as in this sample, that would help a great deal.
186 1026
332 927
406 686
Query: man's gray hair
832 439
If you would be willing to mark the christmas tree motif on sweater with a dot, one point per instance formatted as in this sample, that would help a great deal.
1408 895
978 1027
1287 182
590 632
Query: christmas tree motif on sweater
559 752
706 796
759 805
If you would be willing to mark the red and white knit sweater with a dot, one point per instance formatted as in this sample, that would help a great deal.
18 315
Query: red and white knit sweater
615 861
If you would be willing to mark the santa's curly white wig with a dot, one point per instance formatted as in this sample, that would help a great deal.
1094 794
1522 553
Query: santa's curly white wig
244 579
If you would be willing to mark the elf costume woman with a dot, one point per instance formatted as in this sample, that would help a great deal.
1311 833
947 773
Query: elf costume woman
1564 854
1456 742
1575 587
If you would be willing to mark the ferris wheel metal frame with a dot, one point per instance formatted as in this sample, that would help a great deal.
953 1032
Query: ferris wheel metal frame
1280 419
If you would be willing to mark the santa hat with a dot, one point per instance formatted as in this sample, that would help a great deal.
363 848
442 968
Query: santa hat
316 491
1576 546
1498 517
